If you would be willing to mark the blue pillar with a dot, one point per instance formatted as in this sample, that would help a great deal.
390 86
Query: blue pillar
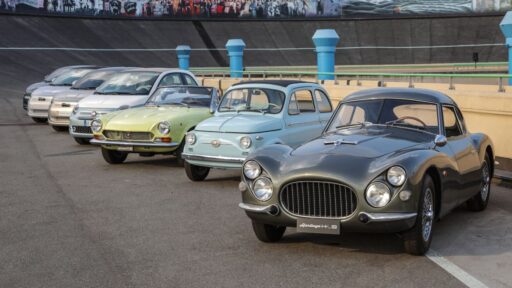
325 42
236 57
506 29
183 53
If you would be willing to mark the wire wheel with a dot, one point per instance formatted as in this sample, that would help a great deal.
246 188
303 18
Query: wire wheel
427 215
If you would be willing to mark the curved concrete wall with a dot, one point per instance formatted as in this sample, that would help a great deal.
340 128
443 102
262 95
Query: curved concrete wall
21 67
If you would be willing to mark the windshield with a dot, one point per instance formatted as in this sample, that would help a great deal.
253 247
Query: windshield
92 80
181 96
253 100
55 73
128 83
67 78
390 112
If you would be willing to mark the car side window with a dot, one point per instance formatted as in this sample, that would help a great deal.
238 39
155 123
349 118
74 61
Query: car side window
301 102
452 126
461 120
171 79
324 105
189 80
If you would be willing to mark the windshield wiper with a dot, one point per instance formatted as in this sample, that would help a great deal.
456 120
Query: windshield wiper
362 124
178 103
399 123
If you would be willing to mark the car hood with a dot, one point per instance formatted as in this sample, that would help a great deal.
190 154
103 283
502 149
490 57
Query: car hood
73 95
34 86
240 123
112 101
145 118
49 90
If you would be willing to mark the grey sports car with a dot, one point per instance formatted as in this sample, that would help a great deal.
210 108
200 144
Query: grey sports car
389 160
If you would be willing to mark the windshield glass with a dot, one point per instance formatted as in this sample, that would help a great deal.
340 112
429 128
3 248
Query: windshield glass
391 112
92 80
253 100
129 83
182 96
67 78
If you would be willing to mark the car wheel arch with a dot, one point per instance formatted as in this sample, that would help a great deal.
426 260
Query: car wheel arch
433 172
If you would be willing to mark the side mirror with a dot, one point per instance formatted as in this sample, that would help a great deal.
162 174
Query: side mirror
74 82
440 140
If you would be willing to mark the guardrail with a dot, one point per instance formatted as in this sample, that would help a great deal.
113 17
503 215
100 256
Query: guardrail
358 76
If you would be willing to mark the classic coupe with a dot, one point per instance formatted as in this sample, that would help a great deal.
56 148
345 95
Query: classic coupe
390 160
252 115
128 89
159 127
63 103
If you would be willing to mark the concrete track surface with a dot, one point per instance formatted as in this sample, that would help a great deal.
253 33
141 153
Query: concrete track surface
68 219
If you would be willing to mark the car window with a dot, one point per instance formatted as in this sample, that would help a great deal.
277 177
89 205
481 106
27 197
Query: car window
253 100
451 123
301 102
128 83
189 80
324 105
171 79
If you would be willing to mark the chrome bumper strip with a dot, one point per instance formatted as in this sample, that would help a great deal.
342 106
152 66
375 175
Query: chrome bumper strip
386 217
212 158
270 209
135 144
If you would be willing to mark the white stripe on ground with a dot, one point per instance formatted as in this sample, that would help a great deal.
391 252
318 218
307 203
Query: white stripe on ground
454 270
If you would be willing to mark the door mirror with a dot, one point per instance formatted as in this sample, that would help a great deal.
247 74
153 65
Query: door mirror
74 82
440 140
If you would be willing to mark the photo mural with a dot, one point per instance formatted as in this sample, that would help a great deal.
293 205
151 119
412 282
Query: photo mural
254 8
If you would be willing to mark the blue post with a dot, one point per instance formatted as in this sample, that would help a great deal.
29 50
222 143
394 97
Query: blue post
236 57
325 42
506 29
183 53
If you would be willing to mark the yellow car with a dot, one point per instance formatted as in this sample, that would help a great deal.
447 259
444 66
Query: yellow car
158 127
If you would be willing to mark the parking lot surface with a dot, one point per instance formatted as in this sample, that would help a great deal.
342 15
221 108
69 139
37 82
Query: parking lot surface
69 219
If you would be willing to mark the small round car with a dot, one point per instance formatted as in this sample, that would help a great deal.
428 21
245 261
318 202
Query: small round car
389 161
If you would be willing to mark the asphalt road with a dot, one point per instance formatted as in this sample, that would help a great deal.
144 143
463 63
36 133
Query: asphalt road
68 219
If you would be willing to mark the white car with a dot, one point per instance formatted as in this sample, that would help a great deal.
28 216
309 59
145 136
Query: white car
41 98
127 89
63 103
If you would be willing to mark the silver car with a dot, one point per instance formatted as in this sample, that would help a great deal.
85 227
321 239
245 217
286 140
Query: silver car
41 98
47 80
124 90
63 103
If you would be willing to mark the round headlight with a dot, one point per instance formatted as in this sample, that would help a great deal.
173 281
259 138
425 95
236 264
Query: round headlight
396 176
191 138
96 125
75 109
252 169
378 194
164 127
245 142
263 189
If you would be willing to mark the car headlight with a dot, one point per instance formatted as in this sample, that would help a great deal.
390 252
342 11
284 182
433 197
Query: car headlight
378 194
191 138
396 176
75 109
164 127
96 125
245 142
252 169
263 189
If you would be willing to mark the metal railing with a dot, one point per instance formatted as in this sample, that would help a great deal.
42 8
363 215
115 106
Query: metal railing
357 76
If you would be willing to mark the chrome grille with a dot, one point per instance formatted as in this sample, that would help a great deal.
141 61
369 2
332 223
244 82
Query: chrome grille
318 199
82 129
128 135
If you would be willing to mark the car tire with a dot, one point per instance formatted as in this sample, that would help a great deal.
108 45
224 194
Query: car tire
60 128
40 120
268 233
417 240
481 199
112 156
179 151
82 141
196 173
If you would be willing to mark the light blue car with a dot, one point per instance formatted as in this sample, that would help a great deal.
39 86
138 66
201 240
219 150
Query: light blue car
252 115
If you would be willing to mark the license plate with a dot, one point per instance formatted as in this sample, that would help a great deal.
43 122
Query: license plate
64 113
124 148
319 226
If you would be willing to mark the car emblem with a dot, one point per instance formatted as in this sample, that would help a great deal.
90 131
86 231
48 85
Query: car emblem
128 135
41 99
215 143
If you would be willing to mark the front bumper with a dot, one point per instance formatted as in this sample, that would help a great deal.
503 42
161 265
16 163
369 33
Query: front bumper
59 116
157 147
214 161
39 108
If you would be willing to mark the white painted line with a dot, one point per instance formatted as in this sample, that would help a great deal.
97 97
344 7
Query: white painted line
454 270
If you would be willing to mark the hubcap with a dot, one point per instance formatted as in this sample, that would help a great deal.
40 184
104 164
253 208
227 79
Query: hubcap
428 214
486 180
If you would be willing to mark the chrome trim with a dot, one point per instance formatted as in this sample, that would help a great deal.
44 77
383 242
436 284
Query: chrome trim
212 158
135 144
385 217
259 209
